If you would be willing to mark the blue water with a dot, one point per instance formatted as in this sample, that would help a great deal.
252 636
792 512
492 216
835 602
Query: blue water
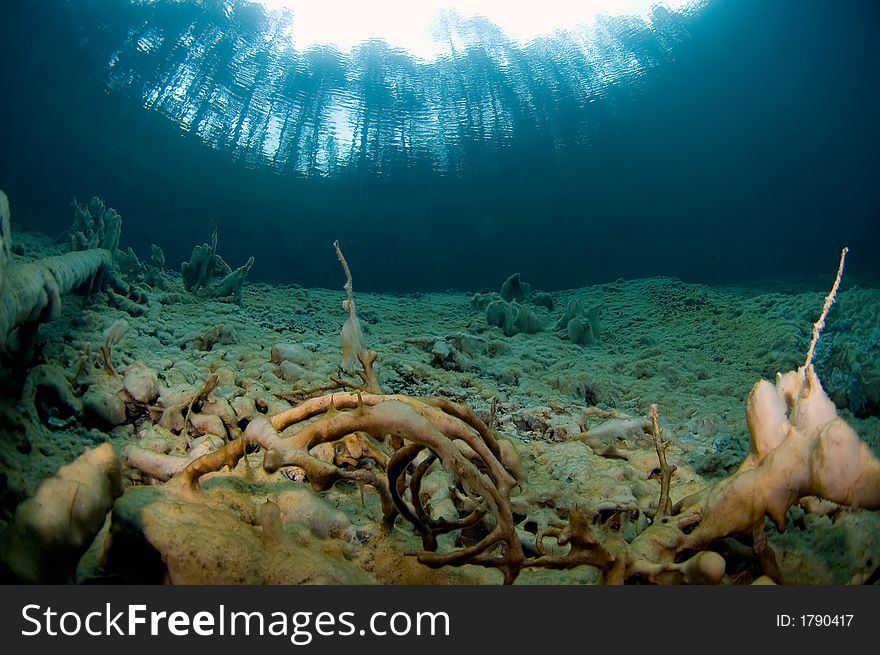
732 142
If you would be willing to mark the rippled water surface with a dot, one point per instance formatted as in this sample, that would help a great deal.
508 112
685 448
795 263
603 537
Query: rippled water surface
236 77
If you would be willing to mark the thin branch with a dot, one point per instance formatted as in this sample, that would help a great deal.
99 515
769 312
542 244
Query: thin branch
664 506
348 287
829 300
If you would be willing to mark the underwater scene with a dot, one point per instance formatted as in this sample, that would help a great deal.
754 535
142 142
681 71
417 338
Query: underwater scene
440 293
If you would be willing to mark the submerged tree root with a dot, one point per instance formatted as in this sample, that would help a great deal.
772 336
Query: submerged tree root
431 432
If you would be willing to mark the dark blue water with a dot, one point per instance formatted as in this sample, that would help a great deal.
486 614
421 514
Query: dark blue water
732 143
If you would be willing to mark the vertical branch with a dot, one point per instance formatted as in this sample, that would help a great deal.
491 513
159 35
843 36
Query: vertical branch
351 337
829 300
664 506
350 302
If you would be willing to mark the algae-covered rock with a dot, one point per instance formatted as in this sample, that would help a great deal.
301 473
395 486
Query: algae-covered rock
500 314
515 290
156 538
291 352
141 382
103 405
52 529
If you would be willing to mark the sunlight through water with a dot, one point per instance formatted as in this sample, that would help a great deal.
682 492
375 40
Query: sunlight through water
416 27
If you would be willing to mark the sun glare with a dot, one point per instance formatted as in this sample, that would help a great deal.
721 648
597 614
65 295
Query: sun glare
411 24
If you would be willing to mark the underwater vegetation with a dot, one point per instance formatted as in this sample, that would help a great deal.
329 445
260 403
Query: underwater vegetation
151 432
